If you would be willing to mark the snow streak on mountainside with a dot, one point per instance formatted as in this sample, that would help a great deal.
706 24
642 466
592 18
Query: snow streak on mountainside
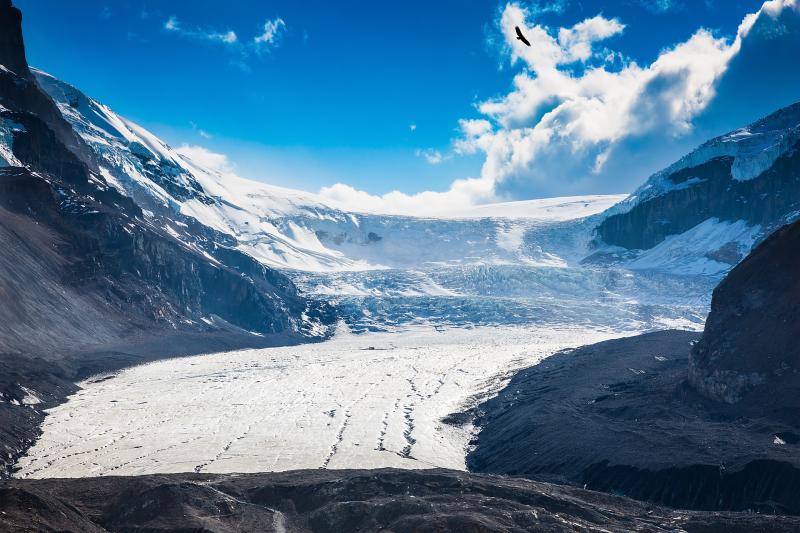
753 149
293 229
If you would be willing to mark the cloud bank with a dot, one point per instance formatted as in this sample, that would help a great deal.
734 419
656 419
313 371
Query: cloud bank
582 117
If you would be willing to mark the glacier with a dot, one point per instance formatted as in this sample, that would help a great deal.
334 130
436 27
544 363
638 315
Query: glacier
357 401
436 313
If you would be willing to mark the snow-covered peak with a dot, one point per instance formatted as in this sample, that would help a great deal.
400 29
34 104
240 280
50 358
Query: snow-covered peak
753 148
115 138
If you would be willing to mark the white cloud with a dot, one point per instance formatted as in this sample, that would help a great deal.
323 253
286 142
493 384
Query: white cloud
474 127
226 37
273 29
207 158
433 157
461 194
412 127
581 117
569 108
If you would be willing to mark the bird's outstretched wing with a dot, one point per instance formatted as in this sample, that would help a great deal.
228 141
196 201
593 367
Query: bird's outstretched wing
521 37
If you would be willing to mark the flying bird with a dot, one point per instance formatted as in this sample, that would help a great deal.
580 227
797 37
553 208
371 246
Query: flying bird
521 37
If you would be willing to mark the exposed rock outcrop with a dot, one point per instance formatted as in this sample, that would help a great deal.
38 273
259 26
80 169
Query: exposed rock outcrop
343 500
749 353
12 48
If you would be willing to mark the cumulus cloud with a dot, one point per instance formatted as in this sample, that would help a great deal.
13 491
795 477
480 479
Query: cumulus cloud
226 37
575 109
569 105
462 193
583 118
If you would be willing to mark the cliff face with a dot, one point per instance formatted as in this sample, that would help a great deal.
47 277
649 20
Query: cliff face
12 48
749 353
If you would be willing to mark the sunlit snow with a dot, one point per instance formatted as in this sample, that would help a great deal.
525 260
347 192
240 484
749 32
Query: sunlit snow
356 401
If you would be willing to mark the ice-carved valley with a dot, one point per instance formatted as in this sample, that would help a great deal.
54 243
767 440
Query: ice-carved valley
436 313
415 344
413 347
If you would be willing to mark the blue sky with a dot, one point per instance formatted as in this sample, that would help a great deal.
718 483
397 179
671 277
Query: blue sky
352 92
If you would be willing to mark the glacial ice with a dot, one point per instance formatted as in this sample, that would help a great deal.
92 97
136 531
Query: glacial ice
356 401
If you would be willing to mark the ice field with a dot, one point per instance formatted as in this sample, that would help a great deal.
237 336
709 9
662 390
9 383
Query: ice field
355 401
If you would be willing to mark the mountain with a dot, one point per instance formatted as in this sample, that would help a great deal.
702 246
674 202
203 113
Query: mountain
748 356
285 228
705 212
90 282
85 264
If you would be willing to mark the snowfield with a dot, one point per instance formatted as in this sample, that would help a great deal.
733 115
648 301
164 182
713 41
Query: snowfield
356 401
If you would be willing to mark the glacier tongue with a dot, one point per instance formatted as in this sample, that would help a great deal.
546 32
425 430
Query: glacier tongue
356 401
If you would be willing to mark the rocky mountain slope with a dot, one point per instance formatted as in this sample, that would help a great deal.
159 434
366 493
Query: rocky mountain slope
705 212
343 500
84 271
89 266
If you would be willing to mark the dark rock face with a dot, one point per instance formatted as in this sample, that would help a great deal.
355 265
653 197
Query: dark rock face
750 352
342 500
708 190
12 49
619 416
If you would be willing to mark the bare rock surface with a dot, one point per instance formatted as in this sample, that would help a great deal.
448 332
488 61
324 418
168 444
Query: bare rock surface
620 416
342 500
